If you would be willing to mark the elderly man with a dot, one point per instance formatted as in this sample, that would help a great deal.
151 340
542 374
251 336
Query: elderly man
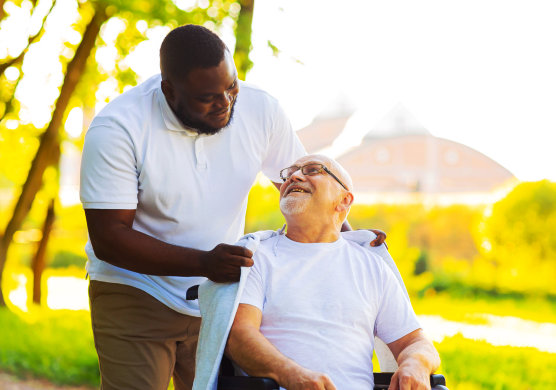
313 301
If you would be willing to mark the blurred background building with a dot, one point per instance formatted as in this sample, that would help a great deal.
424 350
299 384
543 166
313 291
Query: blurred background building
399 161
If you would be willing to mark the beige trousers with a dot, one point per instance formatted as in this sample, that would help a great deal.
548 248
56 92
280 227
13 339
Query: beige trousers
140 342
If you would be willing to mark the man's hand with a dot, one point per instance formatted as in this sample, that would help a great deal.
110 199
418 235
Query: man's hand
410 377
417 359
380 237
223 263
304 379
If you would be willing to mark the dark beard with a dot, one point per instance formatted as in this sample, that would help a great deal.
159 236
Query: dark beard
202 128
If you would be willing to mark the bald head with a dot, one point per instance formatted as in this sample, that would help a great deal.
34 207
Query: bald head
336 168
317 190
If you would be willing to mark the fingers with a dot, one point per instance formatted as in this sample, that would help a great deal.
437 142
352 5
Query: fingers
236 250
394 382
223 263
380 237
328 385
237 261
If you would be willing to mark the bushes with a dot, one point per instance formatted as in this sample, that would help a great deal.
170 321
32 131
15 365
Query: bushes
505 249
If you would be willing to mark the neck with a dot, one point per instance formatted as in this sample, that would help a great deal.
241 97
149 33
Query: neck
312 232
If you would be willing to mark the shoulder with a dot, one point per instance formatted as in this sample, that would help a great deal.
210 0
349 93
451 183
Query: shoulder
134 105
365 254
252 95
266 251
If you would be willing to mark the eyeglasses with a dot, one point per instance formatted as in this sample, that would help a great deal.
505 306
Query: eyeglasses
308 170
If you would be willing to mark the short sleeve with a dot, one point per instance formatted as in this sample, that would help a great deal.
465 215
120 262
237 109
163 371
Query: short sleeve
109 178
395 317
284 147
253 291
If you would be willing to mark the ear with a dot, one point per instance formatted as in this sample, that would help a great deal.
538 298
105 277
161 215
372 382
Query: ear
167 90
345 202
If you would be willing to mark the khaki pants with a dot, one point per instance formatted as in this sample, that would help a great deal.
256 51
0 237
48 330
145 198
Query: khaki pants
140 342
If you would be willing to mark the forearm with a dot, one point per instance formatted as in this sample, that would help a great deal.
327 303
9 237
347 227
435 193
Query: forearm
127 248
248 348
420 353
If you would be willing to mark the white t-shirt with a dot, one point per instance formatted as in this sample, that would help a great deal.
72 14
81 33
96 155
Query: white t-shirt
323 303
188 189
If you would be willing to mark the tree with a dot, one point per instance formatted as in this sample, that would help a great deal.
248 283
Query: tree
519 239
83 75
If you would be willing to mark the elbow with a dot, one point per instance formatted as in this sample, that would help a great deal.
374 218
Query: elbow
104 246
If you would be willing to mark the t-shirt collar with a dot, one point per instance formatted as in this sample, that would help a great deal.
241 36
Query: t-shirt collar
171 120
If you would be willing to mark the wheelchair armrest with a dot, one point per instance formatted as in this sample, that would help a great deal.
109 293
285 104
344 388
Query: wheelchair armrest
382 381
246 383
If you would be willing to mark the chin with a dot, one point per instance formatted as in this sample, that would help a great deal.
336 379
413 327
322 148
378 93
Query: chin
291 206
206 127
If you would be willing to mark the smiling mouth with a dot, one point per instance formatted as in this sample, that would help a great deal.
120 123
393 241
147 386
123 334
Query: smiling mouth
221 113
297 190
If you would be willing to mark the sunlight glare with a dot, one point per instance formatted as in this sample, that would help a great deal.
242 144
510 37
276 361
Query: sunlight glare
141 26
12 124
18 296
106 57
186 5
67 292
74 123
111 29
12 73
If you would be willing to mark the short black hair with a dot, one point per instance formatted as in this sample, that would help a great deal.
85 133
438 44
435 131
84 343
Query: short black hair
188 47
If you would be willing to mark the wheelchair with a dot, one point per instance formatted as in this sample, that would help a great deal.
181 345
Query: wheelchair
227 380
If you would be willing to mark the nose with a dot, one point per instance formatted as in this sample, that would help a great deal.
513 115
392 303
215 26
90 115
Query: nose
297 176
226 99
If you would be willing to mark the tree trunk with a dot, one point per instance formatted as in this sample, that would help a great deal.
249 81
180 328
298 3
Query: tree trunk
39 262
49 139
243 38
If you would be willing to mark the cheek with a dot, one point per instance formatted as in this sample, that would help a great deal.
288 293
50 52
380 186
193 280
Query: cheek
195 109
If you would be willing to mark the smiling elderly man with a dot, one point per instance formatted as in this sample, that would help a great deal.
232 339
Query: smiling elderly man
314 301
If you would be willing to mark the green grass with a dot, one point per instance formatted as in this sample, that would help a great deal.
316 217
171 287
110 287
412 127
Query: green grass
52 344
474 365
471 309
57 345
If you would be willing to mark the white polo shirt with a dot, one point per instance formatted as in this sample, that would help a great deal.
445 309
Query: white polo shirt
188 189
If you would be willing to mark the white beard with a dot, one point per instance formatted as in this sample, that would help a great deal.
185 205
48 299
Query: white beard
292 206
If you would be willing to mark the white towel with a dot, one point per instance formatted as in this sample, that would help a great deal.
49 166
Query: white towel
219 302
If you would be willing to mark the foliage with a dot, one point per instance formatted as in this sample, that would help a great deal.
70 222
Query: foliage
263 212
466 250
473 309
55 345
520 245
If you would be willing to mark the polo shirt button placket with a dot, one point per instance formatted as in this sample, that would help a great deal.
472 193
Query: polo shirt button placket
200 153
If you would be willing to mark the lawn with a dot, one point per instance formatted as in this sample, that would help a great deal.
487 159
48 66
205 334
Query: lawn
57 345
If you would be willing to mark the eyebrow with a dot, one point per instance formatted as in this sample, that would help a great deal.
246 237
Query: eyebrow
209 94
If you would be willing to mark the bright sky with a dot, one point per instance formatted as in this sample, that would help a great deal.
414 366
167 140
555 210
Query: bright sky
479 72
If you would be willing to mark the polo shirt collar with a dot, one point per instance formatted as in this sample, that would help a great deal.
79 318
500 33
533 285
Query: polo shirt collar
171 120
